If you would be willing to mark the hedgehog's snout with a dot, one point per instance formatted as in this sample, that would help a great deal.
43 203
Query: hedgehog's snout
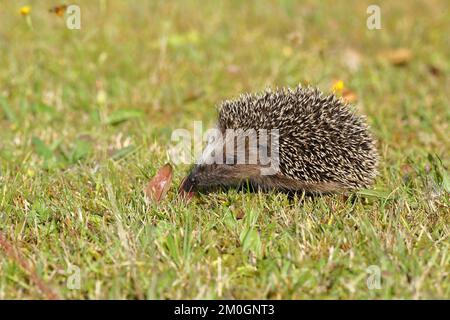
194 179
201 177
187 187
189 183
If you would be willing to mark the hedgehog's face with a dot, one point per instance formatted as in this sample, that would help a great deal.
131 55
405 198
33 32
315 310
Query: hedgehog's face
208 177
196 177
218 169
205 176
209 172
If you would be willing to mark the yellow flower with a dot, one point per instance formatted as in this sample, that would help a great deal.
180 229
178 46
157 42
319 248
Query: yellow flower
101 97
338 86
25 10
287 51
193 37
30 173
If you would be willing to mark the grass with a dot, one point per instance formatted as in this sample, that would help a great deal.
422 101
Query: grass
87 116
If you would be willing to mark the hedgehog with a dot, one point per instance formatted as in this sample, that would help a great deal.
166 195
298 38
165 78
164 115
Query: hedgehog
316 143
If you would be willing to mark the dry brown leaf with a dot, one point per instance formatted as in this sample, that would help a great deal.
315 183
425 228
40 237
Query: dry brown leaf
434 70
157 187
399 57
193 95
239 214
295 38
59 10
233 69
349 96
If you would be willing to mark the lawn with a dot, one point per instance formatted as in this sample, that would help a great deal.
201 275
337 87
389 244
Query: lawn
87 117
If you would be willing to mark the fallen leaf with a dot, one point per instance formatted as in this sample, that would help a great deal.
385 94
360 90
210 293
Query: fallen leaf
349 96
295 38
239 214
398 57
435 71
233 69
156 189
59 10
193 95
